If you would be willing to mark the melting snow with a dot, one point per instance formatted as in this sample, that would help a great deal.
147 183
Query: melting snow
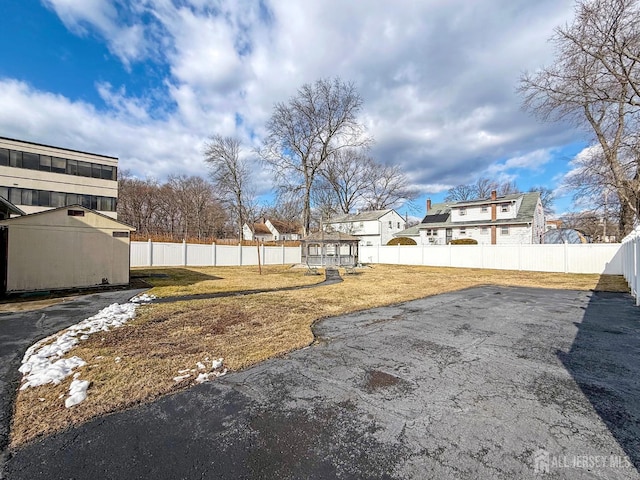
43 363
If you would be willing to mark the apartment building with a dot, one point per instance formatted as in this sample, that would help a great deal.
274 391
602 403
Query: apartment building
36 177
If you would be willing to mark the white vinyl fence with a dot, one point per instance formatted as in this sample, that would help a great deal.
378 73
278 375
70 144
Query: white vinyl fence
599 258
631 262
164 254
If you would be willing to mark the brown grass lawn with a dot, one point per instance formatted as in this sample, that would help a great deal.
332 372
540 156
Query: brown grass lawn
166 338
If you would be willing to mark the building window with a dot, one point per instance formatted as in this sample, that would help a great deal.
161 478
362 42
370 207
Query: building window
58 165
46 163
15 159
390 224
398 224
46 198
463 230
484 209
463 211
484 230
504 207
504 230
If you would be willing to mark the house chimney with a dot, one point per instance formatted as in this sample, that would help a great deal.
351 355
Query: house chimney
428 204
494 194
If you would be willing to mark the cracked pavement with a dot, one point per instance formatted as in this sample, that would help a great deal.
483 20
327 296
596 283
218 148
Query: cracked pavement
469 384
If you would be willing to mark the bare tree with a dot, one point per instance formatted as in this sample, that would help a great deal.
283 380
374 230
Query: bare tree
508 187
547 196
461 193
595 83
388 187
231 175
484 187
307 130
347 174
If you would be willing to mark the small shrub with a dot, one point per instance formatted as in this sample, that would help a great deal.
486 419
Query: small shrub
402 241
464 241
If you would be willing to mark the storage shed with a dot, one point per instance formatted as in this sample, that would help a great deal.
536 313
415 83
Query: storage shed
68 247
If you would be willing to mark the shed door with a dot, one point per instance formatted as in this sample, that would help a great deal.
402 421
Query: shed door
4 249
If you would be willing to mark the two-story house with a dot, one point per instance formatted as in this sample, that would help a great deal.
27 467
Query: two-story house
269 230
509 219
375 227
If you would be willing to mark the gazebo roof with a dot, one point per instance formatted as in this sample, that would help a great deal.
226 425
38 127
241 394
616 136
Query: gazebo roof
330 237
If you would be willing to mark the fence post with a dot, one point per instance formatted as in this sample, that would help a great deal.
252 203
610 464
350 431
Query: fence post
213 254
636 278
398 252
262 254
283 253
566 257
240 254
450 255
150 253
184 252
519 257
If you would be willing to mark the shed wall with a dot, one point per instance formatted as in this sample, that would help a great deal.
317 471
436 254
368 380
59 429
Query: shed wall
50 257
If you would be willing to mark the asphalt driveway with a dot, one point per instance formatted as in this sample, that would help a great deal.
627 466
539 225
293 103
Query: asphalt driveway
484 383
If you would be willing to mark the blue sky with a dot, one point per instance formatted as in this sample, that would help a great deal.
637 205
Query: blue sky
149 81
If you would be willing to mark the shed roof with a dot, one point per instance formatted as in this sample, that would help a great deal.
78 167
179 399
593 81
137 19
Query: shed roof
10 207
47 216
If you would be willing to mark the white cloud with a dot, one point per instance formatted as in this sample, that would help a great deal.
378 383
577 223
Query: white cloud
437 78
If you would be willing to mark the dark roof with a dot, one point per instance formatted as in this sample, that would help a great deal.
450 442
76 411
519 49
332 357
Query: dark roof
439 217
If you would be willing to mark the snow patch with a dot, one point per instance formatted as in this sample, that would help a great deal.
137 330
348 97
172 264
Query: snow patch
77 392
43 363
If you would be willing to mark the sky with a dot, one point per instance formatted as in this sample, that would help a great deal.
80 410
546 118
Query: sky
149 81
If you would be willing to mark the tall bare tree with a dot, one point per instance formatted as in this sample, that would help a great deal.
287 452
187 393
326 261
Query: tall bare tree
231 175
348 175
595 83
307 130
481 189
388 187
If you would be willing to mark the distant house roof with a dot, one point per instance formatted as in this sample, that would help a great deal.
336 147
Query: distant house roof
286 227
359 217
440 213
261 228
409 232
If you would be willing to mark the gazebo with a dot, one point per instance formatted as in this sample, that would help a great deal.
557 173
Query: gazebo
326 249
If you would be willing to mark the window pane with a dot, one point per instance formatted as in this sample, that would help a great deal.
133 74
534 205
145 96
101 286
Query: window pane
96 170
72 167
85 200
107 172
84 169
58 199
106 204
4 156
27 197
58 165
93 202
15 196
31 161
44 198
72 199
4 192
15 159
45 163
